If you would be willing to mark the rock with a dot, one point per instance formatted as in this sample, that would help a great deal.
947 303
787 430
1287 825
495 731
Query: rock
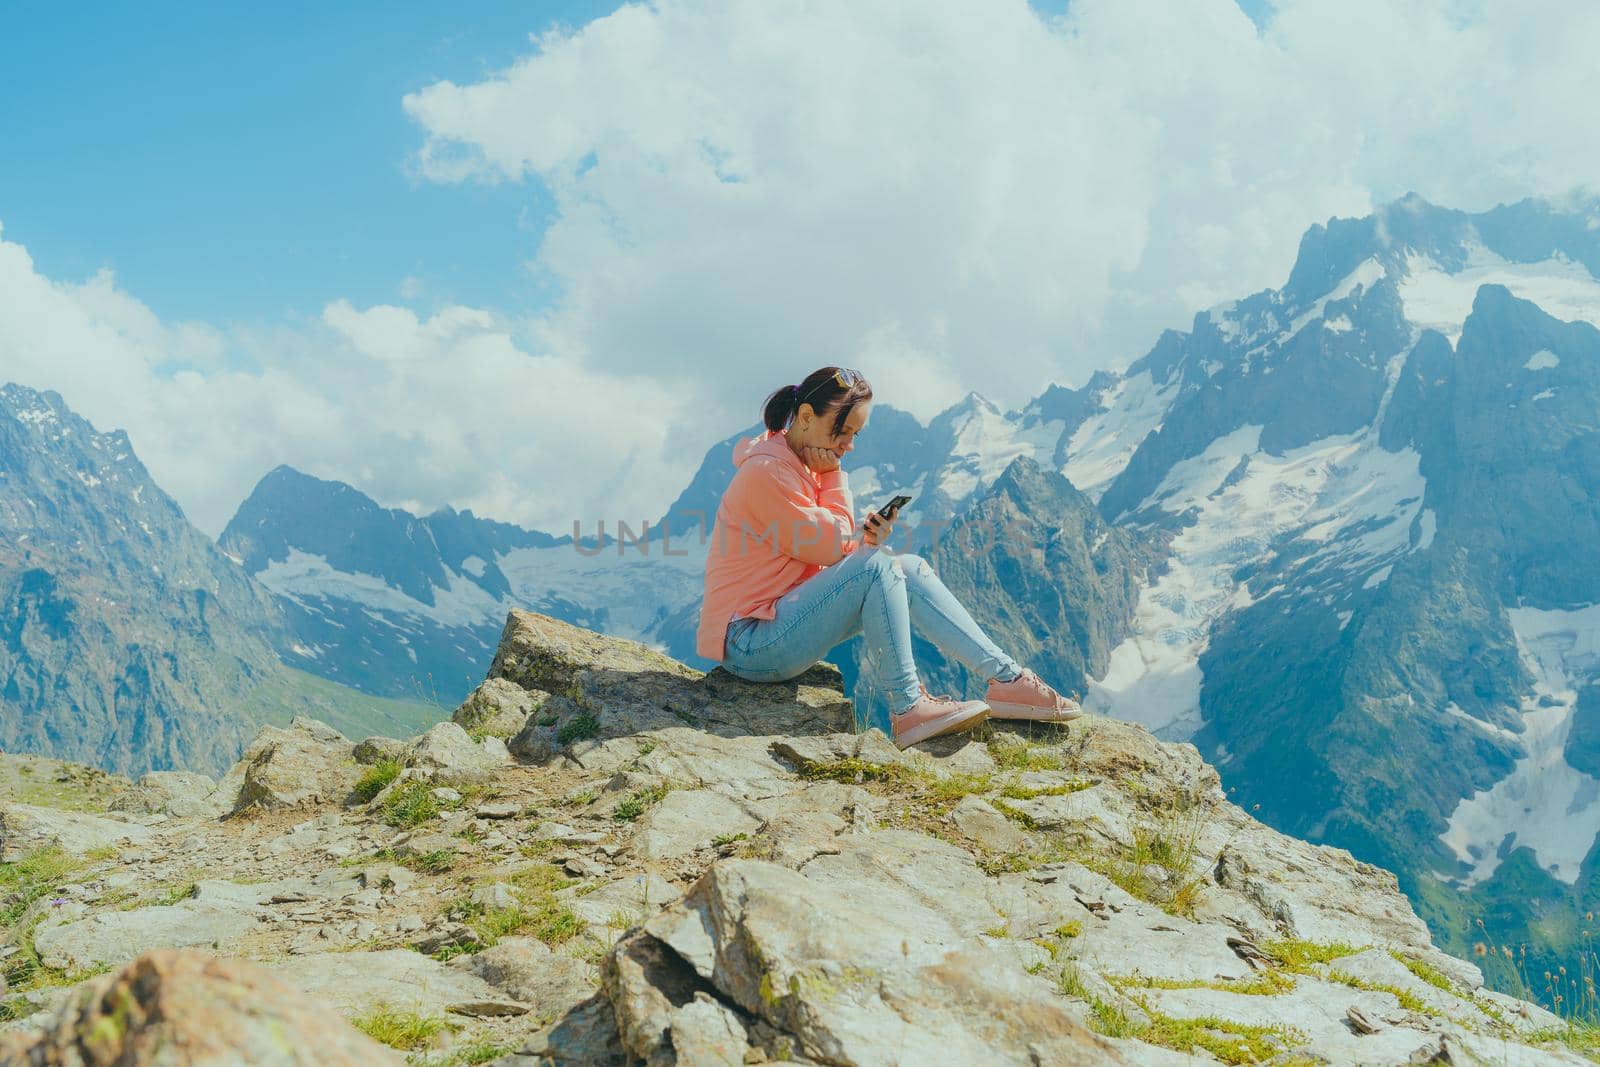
24 828
901 987
447 755
505 810
983 825
498 707
306 763
623 903
353 982
495 896
372 750
686 820
527 970
446 796
585 1036
483 1009
609 687
115 937
706 1031
187 1009
177 793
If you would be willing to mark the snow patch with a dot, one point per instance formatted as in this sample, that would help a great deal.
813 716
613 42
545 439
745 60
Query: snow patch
1435 298
1543 359
1354 500
1544 394
1544 803
1102 445
474 566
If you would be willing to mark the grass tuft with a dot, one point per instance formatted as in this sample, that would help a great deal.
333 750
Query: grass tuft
376 779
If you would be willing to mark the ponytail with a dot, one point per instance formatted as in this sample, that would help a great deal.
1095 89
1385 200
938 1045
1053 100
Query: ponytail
823 390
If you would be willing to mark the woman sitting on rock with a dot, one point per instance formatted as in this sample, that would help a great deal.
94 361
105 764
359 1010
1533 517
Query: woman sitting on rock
788 578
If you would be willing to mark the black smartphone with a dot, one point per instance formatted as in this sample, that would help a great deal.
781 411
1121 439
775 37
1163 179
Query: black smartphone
892 508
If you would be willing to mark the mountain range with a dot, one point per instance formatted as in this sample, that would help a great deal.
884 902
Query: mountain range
1337 534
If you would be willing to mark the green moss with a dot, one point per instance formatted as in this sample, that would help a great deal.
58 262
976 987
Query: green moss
1022 792
1298 956
855 770
1267 984
1071 928
1432 975
955 786
1228 1041
375 779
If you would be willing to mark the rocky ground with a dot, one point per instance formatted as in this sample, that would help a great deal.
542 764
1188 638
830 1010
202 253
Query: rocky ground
608 857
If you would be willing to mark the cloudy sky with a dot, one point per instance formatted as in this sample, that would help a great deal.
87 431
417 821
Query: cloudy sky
535 259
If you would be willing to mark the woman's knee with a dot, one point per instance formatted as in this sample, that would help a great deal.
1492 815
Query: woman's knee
883 566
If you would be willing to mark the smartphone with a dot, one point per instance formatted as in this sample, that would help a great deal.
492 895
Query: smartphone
892 508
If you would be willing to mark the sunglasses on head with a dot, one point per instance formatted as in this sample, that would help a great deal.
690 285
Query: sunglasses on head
846 378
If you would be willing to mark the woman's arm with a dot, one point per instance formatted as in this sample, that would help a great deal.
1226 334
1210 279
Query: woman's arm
815 527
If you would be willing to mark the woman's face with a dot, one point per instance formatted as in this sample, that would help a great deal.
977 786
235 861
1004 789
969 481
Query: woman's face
811 429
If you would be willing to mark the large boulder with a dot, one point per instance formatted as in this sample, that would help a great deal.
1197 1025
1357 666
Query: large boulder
186 1009
182 794
602 687
446 755
115 937
24 828
308 762
849 977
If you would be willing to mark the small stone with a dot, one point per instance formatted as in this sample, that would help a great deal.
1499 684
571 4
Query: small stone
446 795
583 867
495 895
478 1009
503 810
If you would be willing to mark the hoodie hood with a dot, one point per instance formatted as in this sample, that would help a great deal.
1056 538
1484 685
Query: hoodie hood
768 444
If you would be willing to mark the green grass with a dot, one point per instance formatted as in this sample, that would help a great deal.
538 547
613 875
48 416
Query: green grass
405 1030
1012 753
537 913
436 862
581 726
376 779
639 802
413 804
352 713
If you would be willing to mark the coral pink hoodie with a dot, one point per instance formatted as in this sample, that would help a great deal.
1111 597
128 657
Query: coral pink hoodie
778 524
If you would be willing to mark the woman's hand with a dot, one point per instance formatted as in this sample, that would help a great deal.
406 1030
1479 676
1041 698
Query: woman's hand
820 460
877 530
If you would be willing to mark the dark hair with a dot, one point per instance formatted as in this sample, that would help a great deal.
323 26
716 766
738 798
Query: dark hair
823 389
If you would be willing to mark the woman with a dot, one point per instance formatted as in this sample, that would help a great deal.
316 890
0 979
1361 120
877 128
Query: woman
788 577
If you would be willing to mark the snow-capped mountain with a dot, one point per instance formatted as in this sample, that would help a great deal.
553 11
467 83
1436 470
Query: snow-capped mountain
1336 533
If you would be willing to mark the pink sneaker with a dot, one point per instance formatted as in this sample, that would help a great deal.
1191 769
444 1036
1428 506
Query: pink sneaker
1027 697
932 716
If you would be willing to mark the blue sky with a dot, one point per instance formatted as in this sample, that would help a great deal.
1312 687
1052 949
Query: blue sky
235 161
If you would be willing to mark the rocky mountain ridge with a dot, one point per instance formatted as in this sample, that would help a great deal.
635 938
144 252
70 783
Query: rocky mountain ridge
609 857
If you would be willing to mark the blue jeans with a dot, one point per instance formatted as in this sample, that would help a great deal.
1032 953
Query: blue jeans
879 595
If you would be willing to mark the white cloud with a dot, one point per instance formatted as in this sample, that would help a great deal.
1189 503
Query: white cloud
953 195
418 412
761 189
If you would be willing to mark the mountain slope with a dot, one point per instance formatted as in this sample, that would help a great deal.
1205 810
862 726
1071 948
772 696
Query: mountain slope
126 639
